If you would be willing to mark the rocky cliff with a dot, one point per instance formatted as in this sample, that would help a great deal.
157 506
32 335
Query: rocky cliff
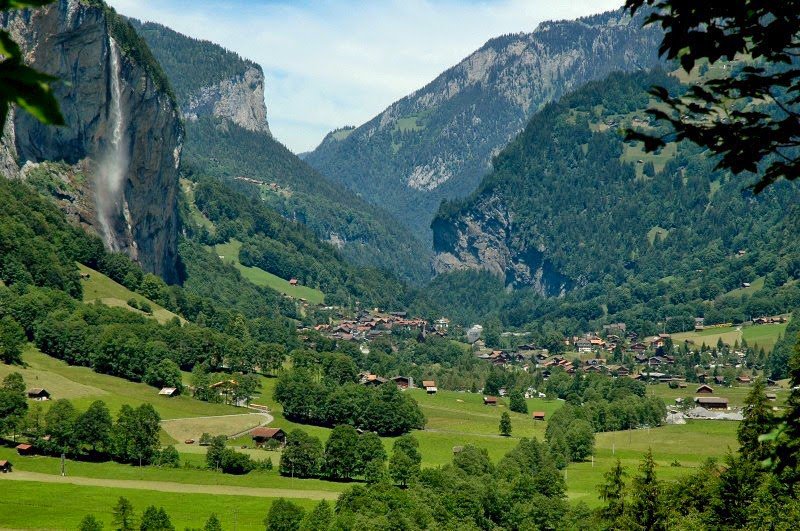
484 238
123 127
208 79
438 142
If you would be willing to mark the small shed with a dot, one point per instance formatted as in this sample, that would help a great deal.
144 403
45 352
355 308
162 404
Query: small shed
5 466
711 402
743 379
262 435
430 386
168 391
293 282
705 390
403 382
24 449
772 397
538 415
38 393
489 400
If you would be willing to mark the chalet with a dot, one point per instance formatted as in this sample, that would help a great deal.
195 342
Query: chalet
442 324
744 379
403 382
583 345
37 393
705 390
655 361
489 400
711 402
619 370
168 391
293 282
24 449
430 386
598 362
719 380
638 347
699 323
373 380
772 397
746 284
5 466
538 415
262 435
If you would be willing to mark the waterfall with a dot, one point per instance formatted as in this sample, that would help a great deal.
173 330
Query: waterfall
114 160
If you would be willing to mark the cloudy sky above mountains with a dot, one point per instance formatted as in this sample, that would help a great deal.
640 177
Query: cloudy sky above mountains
330 63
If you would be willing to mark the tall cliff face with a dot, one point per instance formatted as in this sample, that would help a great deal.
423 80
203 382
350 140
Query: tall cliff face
208 79
123 127
438 142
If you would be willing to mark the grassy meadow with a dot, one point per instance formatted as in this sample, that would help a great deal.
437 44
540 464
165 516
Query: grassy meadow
229 253
756 335
100 288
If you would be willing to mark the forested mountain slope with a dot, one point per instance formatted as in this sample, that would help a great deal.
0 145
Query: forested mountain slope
213 85
437 143
571 205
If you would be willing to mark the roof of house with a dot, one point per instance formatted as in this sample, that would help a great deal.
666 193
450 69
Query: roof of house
428 383
705 387
711 400
23 446
167 391
4 462
538 414
266 433
490 399
37 391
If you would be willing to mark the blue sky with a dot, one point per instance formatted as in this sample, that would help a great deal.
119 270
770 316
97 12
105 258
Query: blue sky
331 63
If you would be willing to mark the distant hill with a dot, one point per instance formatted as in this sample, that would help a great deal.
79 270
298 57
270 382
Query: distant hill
221 96
438 142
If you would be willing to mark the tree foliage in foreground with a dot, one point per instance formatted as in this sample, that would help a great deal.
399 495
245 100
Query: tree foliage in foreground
720 114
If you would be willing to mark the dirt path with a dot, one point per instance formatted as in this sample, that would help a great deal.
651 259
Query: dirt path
167 486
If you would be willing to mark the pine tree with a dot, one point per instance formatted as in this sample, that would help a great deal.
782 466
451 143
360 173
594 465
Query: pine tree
613 493
90 523
213 523
758 420
646 507
123 515
505 424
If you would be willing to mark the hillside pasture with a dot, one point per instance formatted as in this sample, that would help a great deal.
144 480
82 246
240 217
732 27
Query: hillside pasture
100 288
764 336
229 253
83 386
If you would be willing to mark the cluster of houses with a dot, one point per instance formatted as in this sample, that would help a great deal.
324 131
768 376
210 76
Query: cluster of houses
369 325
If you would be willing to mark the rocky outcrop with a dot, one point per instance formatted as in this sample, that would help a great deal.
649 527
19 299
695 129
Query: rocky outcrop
123 126
438 142
483 239
239 99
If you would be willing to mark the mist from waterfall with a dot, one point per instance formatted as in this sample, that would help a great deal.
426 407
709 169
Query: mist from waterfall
113 165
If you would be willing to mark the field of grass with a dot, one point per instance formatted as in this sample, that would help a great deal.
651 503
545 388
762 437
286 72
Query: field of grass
36 505
194 427
197 217
409 124
99 287
761 335
83 386
656 231
688 445
229 252
756 285
735 394
635 153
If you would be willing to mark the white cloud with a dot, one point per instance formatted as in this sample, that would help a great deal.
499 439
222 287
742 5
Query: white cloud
339 62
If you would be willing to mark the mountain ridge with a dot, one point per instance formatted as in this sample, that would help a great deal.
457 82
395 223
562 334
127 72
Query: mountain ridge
437 142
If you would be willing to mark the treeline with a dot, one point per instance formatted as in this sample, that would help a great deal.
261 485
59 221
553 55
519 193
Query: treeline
330 402
62 429
153 518
524 490
229 461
